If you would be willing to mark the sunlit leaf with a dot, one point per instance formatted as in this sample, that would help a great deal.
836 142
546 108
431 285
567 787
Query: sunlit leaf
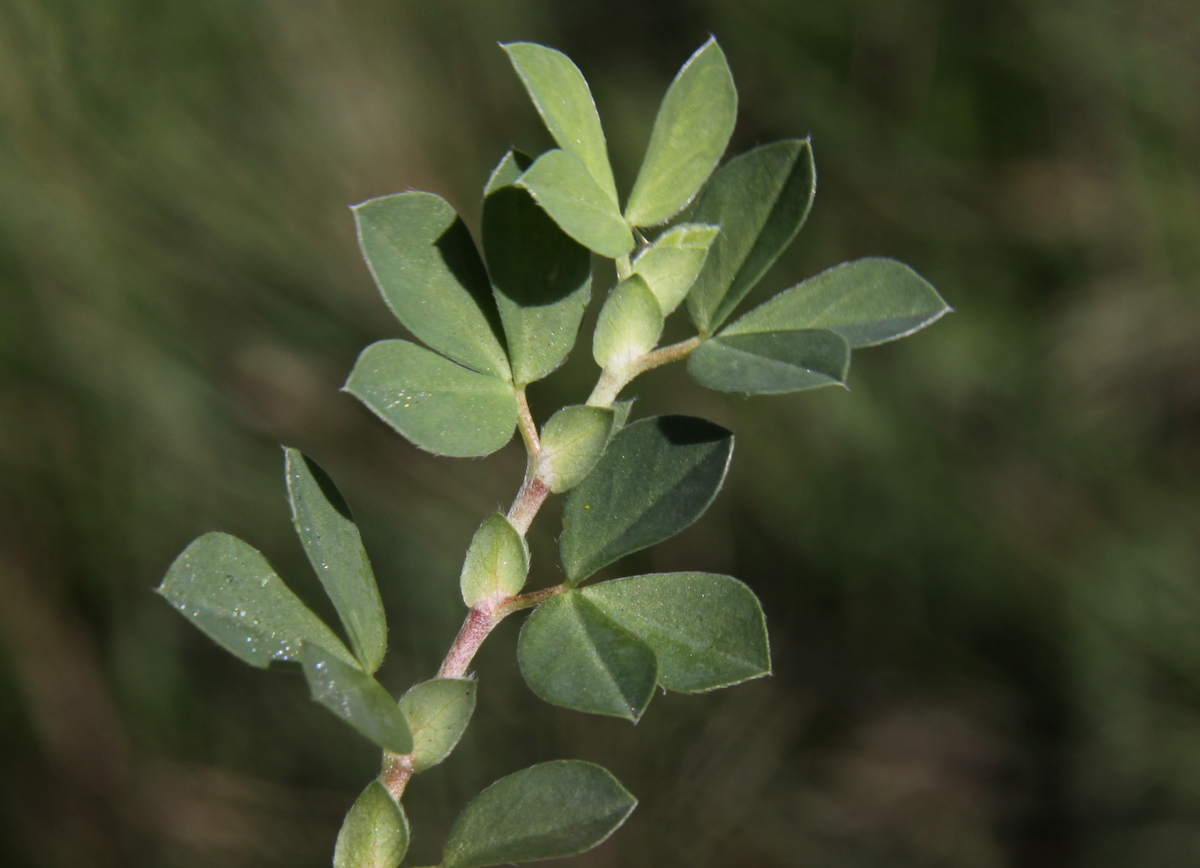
437 712
670 265
629 326
573 655
706 630
657 476
374 833
334 547
561 184
690 133
226 588
356 698
572 442
868 301
542 278
497 562
430 274
564 100
438 405
760 200
771 362
546 811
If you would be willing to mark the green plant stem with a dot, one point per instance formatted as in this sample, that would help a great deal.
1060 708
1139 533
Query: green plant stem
624 268
480 621
613 380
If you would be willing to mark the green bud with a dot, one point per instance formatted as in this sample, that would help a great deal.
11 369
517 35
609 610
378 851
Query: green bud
572 442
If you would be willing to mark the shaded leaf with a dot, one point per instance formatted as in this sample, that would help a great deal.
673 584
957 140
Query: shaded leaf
226 588
547 811
497 562
868 301
440 406
542 280
760 200
771 362
670 265
707 630
374 833
564 100
572 655
690 133
561 185
572 442
334 547
657 476
356 698
629 326
430 274
437 712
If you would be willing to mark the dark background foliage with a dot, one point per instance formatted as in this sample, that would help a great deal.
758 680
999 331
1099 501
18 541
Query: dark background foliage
980 566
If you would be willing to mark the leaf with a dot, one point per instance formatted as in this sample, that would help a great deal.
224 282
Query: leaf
442 407
657 476
374 833
561 184
564 100
430 274
356 698
690 133
622 409
707 630
630 324
572 655
571 444
670 265
334 547
541 277
547 811
760 200
226 588
868 301
497 563
510 168
437 712
771 362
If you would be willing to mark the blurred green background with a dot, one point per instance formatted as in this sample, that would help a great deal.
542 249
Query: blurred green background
981 566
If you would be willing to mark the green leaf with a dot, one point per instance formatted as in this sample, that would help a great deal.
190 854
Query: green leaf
334 547
356 698
561 184
572 655
510 168
548 811
670 265
630 324
374 833
430 274
497 563
563 99
760 200
572 442
657 477
690 133
440 406
771 362
868 301
707 630
437 712
541 277
622 409
226 588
